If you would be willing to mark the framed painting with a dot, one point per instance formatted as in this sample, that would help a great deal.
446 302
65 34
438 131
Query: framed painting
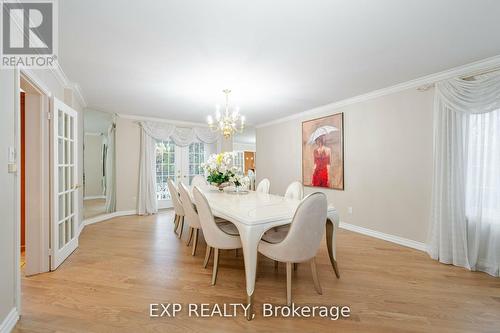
323 152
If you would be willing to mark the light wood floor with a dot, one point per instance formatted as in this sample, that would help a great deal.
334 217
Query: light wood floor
125 264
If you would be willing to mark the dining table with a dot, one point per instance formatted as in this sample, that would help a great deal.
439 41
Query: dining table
253 213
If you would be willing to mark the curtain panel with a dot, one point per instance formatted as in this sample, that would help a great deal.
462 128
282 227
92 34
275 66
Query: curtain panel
181 136
111 171
462 231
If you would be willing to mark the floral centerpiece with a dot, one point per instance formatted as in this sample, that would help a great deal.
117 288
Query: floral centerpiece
219 170
239 181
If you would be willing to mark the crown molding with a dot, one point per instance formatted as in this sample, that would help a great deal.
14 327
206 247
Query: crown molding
35 81
424 83
161 120
61 77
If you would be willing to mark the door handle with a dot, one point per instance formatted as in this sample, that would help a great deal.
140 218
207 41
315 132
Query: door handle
76 186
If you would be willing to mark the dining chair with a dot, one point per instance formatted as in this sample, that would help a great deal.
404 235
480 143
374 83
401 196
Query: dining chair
219 236
178 209
302 241
191 216
263 186
199 180
295 191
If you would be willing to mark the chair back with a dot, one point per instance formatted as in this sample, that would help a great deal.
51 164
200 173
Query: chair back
263 186
174 195
214 236
307 229
295 191
198 180
191 214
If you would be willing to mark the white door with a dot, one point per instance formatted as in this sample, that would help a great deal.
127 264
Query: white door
65 197
178 163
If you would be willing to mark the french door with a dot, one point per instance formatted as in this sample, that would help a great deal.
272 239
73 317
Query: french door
181 164
65 194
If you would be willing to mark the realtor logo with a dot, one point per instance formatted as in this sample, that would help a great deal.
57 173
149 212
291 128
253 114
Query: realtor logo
29 34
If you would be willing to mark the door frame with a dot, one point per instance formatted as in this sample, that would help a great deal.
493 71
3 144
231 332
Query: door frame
43 239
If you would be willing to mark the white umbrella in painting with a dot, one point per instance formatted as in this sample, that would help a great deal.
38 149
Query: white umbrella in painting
320 131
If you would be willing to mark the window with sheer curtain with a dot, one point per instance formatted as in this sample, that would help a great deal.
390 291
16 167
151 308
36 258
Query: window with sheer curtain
483 169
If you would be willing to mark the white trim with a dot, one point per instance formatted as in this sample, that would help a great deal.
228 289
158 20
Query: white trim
35 81
61 77
105 217
17 193
380 235
59 74
79 94
162 120
93 197
468 69
93 133
10 321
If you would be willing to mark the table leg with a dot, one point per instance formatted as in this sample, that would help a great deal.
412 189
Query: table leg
250 241
330 241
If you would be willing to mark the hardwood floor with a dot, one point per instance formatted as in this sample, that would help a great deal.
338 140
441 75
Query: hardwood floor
125 264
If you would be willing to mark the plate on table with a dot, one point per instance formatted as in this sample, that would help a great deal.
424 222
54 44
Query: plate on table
237 192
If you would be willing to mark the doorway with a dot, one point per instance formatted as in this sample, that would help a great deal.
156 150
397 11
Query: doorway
34 178
181 164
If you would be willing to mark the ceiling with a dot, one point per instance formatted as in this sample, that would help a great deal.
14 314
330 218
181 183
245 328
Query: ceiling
171 59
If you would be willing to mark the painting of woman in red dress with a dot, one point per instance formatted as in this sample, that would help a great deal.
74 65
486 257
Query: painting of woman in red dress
323 152
322 161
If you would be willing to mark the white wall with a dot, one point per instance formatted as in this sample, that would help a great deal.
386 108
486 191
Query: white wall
388 162
128 147
7 202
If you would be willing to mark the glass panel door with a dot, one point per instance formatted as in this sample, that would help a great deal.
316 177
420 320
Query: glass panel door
65 213
178 163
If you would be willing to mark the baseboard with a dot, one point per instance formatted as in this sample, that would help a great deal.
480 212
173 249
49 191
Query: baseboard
380 235
105 217
10 321
93 197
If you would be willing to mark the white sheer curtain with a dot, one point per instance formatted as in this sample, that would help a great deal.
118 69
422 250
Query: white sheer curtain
464 220
110 171
483 192
150 132
147 203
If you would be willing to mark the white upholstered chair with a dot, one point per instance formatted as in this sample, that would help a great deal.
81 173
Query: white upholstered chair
199 180
302 241
295 191
191 216
263 186
220 236
178 209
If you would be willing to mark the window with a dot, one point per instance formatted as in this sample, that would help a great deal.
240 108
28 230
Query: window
196 158
239 161
483 168
165 168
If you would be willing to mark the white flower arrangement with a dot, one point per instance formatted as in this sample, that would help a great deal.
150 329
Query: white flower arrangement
218 168
239 180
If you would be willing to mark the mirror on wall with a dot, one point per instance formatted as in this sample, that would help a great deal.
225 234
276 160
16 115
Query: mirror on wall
244 146
98 164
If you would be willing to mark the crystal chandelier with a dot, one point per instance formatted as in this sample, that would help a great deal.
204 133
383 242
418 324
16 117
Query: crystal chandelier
227 123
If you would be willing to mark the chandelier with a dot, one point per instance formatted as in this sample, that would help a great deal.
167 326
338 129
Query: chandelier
227 123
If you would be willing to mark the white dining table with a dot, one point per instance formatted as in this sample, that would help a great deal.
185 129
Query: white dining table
253 213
